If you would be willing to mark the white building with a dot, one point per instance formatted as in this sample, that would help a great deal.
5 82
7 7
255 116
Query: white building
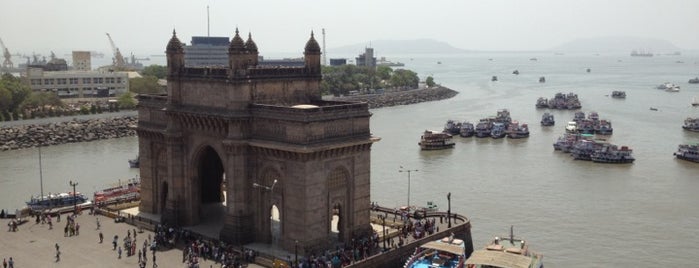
78 84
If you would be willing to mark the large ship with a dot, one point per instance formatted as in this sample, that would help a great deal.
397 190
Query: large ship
611 154
641 53
505 253
130 190
447 252
434 140
691 124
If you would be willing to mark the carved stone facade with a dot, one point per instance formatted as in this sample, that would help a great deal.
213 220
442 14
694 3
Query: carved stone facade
258 137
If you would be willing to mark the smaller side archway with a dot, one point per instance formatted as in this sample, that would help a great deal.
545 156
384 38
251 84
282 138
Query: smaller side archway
338 194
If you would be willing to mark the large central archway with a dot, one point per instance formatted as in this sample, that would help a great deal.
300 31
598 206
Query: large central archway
212 190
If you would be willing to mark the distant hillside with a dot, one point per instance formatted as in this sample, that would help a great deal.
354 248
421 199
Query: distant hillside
383 47
623 44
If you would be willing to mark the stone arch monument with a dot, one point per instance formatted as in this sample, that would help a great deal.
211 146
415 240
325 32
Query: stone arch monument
249 137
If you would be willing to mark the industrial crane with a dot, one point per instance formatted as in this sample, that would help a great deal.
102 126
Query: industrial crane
7 63
118 60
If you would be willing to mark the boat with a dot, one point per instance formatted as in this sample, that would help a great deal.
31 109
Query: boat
584 148
588 70
57 201
505 253
695 102
619 94
572 127
435 140
494 78
694 80
562 101
384 62
542 102
547 120
669 87
542 79
688 152
467 129
653 109
566 142
499 130
517 131
452 127
484 127
612 154
515 72
135 163
594 116
691 124
641 53
604 127
533 59
447 252
129 190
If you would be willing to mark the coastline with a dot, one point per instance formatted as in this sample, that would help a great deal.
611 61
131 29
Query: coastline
396 98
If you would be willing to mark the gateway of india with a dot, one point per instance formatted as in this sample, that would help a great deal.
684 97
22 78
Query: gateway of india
253 141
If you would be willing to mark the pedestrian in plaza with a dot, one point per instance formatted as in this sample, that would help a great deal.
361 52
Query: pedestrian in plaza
101 237
11 263
119 252
98 223
77 228
4 263
114 242
139 256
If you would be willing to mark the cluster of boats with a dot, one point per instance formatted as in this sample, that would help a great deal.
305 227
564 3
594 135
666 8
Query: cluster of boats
585 147
508 252
669 87
691 124
590 125
496 127
560 101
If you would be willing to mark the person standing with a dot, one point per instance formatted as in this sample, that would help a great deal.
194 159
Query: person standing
11 263
4 263
98 222
101 237
119 252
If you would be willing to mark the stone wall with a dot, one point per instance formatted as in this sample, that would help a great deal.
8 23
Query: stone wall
27 136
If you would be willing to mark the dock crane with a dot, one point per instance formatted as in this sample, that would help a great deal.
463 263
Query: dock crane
7 63
118 60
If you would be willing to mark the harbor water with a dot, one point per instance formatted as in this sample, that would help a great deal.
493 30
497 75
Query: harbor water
576 213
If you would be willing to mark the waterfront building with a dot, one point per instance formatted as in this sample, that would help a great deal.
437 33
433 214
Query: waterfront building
367 58
80 84
82 61
338 62
250 141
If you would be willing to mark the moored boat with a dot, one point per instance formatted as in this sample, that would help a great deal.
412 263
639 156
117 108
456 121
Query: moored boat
604 127
505 253
694 80
129 190
691 124
135 163
447 252
612 154
467 129
452 127
517 131
498 131
542 102
484 127
547 120
55 201
689 152
434 140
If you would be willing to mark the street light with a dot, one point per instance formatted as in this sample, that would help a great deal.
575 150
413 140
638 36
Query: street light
449 210
383 219
75 200
402 169
296 253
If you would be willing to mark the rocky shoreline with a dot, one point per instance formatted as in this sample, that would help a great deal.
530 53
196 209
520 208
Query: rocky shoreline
76 130
402 97
80 130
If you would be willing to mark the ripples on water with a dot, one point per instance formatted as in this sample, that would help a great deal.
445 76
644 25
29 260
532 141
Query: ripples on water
578 214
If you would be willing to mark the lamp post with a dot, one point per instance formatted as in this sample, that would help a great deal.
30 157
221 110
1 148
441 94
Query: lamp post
75 200
408 171
383 225
296 253
449 210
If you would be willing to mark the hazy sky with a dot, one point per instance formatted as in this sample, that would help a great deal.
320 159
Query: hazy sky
145 26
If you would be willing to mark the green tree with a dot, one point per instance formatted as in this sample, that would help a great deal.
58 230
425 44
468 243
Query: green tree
126 101
384 72
158 71
144 85
18 90
430 81
41 99
404 78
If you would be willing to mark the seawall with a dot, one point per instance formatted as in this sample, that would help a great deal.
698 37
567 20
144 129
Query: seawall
402 97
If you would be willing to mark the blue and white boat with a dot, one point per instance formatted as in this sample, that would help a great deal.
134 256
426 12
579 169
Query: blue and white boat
54 201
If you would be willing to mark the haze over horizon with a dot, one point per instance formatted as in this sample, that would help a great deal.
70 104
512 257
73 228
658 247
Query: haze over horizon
144 27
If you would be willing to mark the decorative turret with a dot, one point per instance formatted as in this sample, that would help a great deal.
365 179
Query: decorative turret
252 50
175 55
236 50
312 56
